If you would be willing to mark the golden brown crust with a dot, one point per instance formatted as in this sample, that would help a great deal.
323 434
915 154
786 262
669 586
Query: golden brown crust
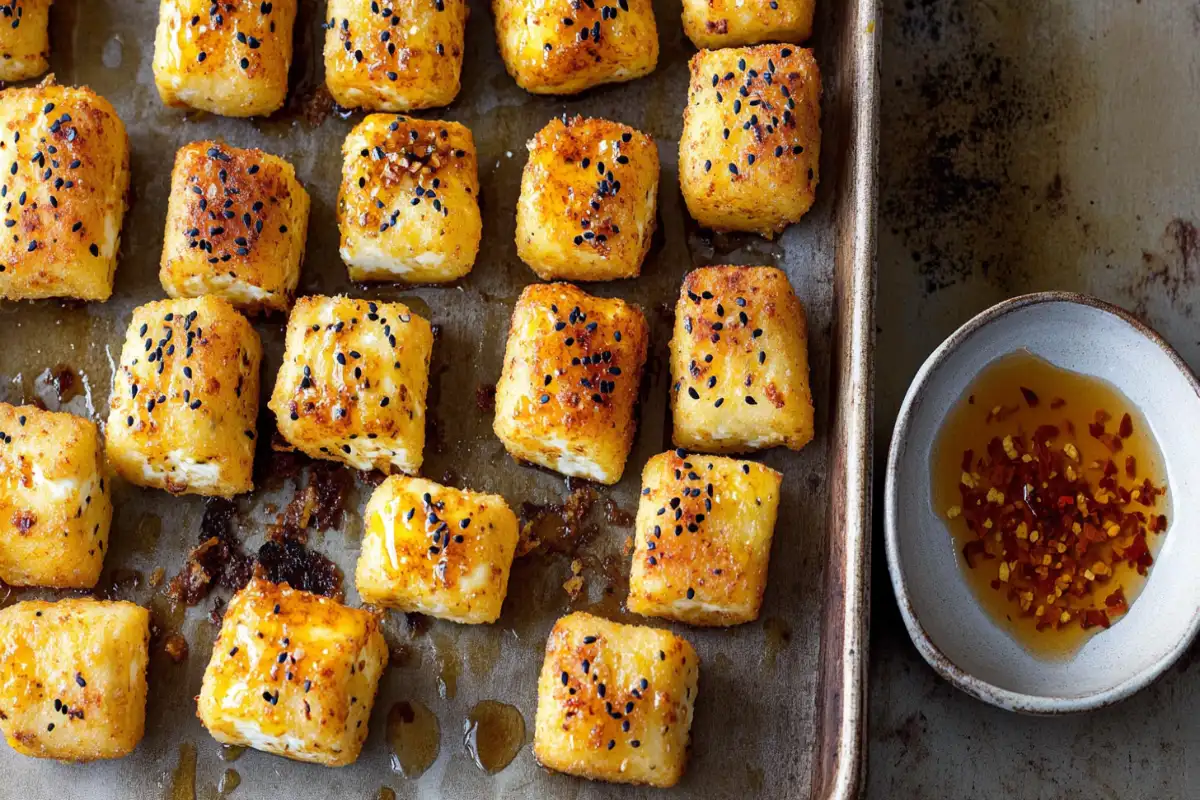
64 176
615 702
293 673
353 382
73 678
739 362
396 56
184 404
750 148
572 367
236 226
704 529
588 200
435 550
24 39
408 206
230 58
731 23
55 499
550 46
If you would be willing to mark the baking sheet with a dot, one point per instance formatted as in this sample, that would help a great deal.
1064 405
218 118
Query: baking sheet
1031 146
781 700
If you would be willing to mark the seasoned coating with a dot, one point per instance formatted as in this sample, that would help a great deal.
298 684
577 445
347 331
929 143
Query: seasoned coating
236 224
55 499
751 142
24 39
73 678
572 367
704 528
353 382
397 56
408 207
730 23
588 198
565 46
294 674
615 702
229 58
435 550
64 177
184 403
739 362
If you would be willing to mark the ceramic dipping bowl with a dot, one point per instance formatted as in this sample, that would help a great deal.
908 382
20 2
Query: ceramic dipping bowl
946 623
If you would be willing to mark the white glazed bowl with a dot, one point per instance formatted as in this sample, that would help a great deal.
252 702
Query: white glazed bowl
945 621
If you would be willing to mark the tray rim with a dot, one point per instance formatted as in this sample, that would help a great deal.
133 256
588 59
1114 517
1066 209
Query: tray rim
854 343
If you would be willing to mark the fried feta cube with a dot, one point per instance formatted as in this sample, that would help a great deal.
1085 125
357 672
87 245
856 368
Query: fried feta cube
751 142
73 678
64 177
703 539
55 499
236 225
564 46
294 674
353 382
588 198
615 702
408 206
24 39
739 362
570 379
229 58
184 402
435 550
731 23
397 56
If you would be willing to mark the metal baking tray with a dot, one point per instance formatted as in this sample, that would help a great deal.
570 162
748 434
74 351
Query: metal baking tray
781 703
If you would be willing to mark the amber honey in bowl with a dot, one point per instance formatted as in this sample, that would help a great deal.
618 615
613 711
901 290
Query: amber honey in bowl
1054 491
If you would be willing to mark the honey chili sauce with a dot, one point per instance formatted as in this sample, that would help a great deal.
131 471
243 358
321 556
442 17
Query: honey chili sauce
1054 492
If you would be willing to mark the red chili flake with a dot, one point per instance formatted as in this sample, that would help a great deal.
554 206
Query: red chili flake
1031 398
1126 428
1057 403
1049 531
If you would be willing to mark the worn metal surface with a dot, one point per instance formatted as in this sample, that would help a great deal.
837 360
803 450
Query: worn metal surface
781 701
1031 146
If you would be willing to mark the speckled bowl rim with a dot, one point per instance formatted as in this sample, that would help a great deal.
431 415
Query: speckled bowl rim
961 679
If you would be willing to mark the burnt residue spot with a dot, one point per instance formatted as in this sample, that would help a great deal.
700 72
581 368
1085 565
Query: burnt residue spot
292 563
217 559
334 485
969 179
176 647
558 527
1170 272
320 502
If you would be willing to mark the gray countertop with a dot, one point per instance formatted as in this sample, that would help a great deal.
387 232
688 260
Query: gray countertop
1030 145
